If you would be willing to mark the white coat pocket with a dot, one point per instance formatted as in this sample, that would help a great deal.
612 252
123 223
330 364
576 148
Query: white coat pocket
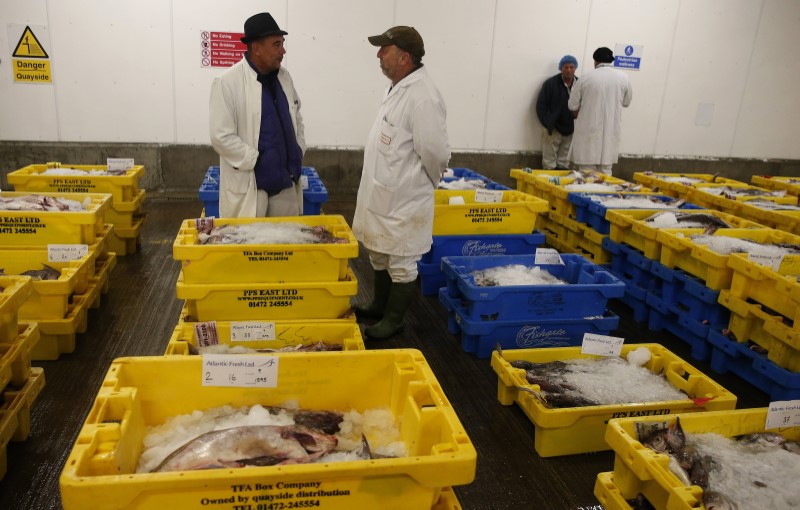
387 165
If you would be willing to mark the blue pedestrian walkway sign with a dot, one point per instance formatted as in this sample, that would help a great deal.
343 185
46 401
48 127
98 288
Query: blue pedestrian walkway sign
628 56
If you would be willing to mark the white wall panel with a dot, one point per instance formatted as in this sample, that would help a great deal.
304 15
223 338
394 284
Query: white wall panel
771 103
28 110
334 67
114 69
713 43
192 81
530 37
648 23
457 35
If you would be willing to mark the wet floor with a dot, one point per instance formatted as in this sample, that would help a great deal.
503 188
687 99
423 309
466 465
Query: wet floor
138 314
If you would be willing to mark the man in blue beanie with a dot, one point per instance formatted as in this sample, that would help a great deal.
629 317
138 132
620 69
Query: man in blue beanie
553 113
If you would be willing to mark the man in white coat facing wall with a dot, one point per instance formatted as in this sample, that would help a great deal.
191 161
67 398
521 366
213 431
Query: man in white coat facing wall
596 102
404 158
257 130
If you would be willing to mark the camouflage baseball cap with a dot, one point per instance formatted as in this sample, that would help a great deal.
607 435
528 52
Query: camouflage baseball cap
405 38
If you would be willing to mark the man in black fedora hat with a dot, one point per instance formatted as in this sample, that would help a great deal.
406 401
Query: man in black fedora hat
256 128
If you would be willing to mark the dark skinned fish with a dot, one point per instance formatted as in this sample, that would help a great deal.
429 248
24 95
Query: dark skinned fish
326 421
48 273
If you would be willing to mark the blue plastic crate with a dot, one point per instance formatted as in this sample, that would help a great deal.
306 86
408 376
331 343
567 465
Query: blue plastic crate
629 265
636 302
757 369
209 191
688 294
481 337
496 186
314 197
586 293
431 278
663 316
475 245
594 213
310 172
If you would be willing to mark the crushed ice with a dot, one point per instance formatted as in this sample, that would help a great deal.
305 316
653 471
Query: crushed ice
753 476
43 203
463 183
514 274
769 205
264 233
632 202
726 245
616 381
77 171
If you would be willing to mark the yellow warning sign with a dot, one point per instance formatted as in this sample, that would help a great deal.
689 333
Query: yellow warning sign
29 46
32 71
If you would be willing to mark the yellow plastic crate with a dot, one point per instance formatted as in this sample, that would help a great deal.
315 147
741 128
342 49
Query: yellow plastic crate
608 494
287 333
638 469
751 322
122 188
266 263
270 301
676 189
15 357
40 228
518 174
568 431
628 227
57 336
712 267
100 470
791 185
583 239
761 284
555 192
125 214
15 413
550 228
515 214
785 220
50 298
14 291
702 195
124 240
103 272
100 246
447 500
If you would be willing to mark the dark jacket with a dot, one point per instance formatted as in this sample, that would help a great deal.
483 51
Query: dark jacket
551 106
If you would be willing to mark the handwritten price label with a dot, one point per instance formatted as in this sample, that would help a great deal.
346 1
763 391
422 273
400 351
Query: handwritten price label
252 331
783 413
601 345
773 261
547 256
117 164
486 196
240 371
66 252
304 181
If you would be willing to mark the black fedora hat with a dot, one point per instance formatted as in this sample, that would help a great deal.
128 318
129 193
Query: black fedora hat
260 25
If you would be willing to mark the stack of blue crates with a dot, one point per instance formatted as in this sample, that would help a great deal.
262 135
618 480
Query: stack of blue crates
313 196
429 267
527 316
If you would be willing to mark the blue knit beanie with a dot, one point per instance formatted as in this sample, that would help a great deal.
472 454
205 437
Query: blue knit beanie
568 59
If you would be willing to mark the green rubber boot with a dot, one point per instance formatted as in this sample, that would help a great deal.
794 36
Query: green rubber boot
392 322
382 284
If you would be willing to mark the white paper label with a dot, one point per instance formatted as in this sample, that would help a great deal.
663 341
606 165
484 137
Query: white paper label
488 195
304 181
206 333
773 261
117 164
240 370
547 256
783 413
252 331
66 252
601 345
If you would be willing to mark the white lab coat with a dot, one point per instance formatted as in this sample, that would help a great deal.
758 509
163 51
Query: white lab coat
600 97
235 121
406 153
